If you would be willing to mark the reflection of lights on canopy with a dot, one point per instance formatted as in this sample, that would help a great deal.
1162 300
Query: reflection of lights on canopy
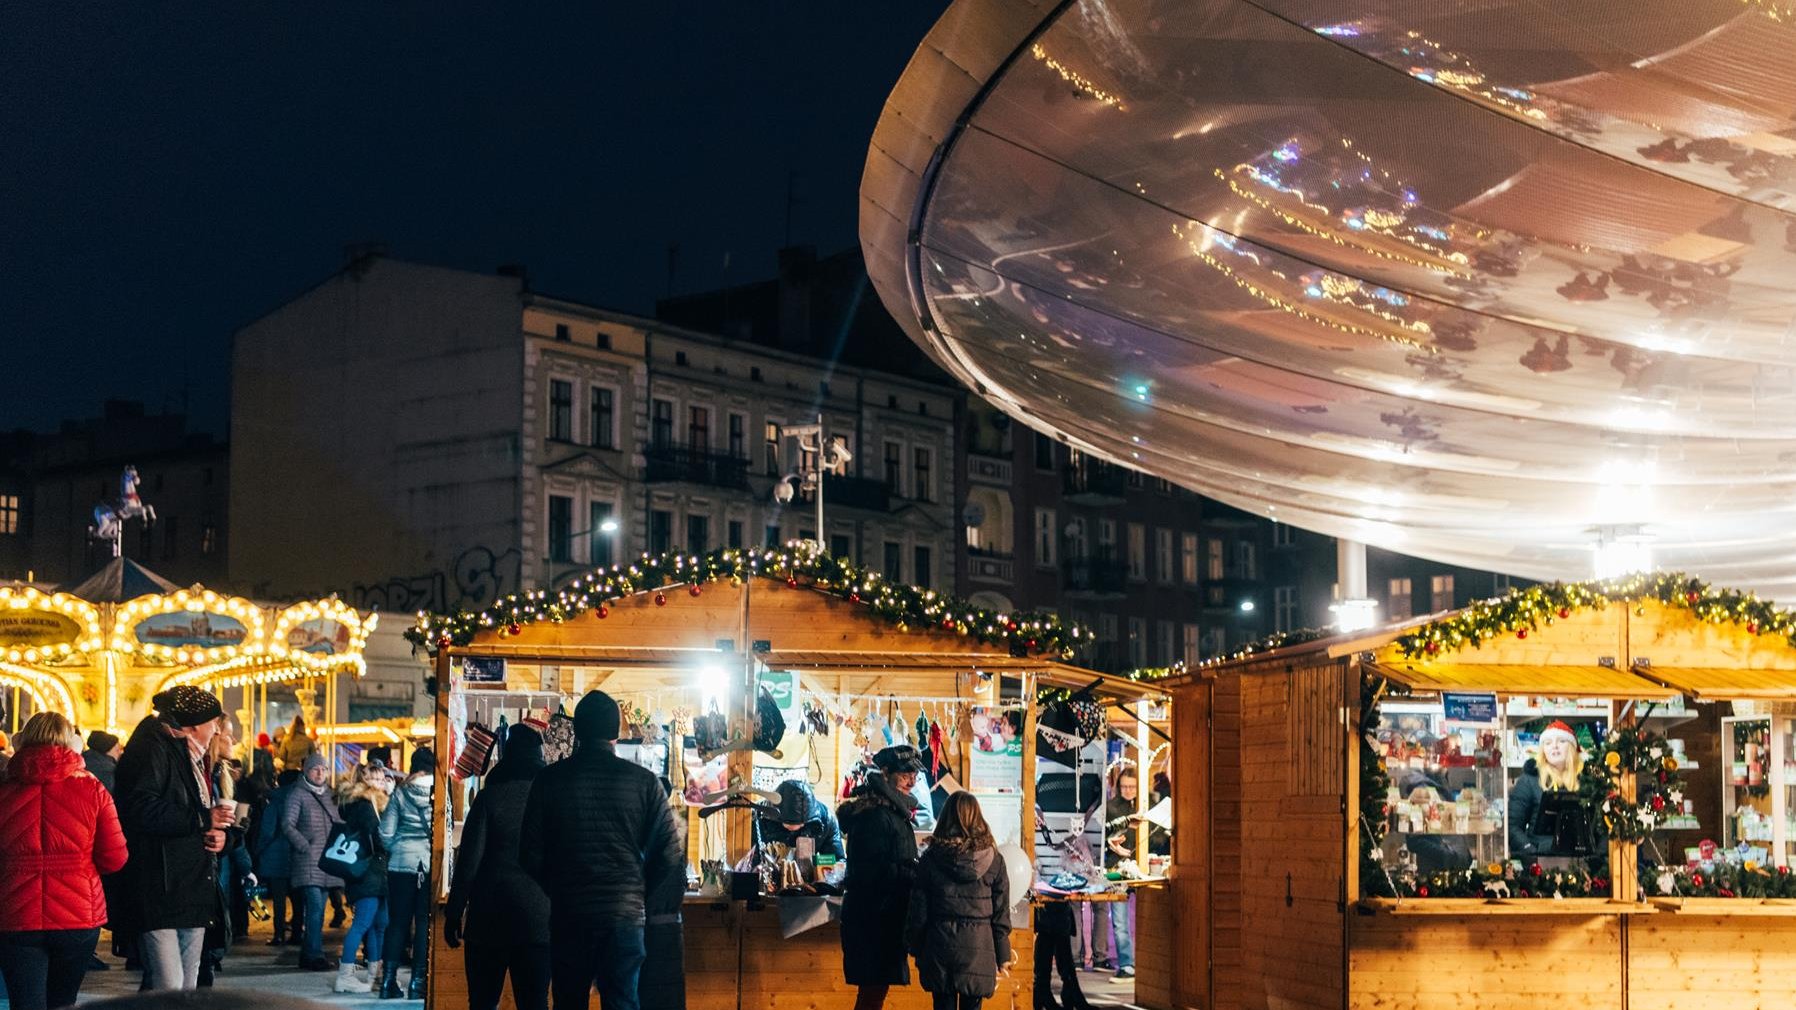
1477 290
100 661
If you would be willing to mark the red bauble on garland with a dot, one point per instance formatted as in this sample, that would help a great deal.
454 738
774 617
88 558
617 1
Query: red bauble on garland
791 582
854 597
1564 612
660 599
445 642
1522 633
603 612
1422 891
1690 598
514 627
693 590
1752 628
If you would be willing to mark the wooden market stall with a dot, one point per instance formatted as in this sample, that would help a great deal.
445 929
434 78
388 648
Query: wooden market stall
1349 806
661 646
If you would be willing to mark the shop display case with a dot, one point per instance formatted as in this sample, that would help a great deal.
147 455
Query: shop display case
1758 783
1447 795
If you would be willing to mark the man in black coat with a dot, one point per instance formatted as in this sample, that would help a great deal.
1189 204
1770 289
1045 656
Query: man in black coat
507 926
596 829
175 829
882 859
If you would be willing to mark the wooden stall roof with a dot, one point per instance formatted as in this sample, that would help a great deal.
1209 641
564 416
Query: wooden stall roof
1712 683
1504 678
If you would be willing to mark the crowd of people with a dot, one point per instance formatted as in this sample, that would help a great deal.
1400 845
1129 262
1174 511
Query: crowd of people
166 839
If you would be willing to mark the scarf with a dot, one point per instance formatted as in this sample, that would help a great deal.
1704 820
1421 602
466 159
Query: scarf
196 757
884 789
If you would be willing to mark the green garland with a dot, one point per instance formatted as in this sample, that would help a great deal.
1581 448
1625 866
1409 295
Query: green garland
1658 785
798 563
1725 880
1525 610
1374 787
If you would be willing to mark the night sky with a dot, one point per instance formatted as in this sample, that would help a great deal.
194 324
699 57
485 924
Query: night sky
169 172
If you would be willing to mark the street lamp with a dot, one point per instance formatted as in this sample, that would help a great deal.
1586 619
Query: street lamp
831 458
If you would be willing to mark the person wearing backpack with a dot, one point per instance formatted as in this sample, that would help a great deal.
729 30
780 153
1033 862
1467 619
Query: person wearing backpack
367 893
307 822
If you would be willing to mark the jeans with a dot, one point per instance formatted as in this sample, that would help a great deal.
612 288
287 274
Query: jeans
529 967
43 968
1119 925
370 922
280 894
408 915
313 947
583 955
171 957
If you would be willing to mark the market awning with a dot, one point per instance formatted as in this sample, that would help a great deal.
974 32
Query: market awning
1548 680
1713 683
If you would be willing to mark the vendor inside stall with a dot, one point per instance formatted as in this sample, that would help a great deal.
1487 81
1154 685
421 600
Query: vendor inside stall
802 815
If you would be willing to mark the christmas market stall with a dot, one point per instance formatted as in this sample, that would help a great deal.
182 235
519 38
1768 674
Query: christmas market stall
741 672
99 652
1572 795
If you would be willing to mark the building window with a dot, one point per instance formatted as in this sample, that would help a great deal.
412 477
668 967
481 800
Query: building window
925 487
698 428
1107 628
841 545
754 373
661 424
1138 552
1137 642
1213 569
738 436
1044 452
601 423
895 469
770 436
660 531
1107 538
1284 608
561 528
1284 535
1188 558
698 534
735 532
602 341
1246 558
1398 603
680 359
1044 538
1163 556
894 562
1134 478
561 410
171 538
1077 545
9 514
1442 596
1499 584
561 333
920 567
1194 645
598 539
208 538
771 537
1164 632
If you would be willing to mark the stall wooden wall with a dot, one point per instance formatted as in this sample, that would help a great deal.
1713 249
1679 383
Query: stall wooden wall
1692 962
1158 944
1512 962
1173 922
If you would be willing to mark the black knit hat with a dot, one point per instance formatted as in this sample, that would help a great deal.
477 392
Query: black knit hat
899 758
186 706
597 718
101 742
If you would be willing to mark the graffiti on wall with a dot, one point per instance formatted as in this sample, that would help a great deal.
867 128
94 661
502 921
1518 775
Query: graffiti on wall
478 577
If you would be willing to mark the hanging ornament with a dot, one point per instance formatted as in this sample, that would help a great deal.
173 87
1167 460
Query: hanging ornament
603 611
1522 633
1564 612
660 599
514 627
791 582
444 642
693 590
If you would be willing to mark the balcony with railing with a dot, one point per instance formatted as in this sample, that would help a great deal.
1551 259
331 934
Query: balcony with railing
990 566
1101 574
1091 481
684 464
855 493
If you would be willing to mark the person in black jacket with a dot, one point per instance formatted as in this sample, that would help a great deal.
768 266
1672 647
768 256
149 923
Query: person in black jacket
101 760
595 831
366 894
507 927
958 927
175 831
882 857
802 814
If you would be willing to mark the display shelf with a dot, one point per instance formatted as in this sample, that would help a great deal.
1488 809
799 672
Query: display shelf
1680 824
1503 906
1726 906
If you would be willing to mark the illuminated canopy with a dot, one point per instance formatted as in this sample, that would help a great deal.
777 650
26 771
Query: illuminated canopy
1477 280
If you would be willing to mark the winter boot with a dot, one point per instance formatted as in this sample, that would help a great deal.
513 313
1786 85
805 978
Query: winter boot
415 988
346 980
389 981
374 977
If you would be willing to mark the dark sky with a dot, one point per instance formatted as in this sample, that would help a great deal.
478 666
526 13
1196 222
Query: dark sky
169 172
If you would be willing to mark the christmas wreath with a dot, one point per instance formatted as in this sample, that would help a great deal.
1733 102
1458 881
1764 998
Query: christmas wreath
1658 786
1723 880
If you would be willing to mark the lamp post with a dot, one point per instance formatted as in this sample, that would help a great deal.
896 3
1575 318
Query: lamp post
829 457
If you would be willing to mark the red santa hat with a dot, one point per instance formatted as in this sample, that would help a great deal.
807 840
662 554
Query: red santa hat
1557 729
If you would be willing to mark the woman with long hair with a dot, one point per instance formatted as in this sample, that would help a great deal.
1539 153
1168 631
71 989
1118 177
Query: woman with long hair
1556 768
367 894
62 835
959 923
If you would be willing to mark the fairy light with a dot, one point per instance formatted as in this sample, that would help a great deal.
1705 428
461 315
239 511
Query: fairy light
1076 79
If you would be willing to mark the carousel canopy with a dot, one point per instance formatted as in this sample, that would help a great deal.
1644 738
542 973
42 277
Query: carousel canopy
1478 280
122 579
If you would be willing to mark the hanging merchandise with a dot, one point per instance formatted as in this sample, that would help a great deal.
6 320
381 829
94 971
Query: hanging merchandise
770 725
816 719
1057 733
558 738
922 728
711 731
472 760
938 746
1090 717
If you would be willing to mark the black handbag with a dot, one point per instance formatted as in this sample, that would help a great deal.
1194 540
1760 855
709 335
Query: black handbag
347 854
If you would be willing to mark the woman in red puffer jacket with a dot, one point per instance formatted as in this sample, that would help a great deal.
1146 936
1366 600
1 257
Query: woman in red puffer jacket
59 833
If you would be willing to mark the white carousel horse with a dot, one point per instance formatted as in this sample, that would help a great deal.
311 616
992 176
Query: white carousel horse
110 517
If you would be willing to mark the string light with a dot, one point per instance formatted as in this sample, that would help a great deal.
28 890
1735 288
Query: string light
1076 79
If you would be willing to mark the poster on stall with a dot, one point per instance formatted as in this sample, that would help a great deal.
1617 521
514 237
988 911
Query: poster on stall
1004 814
998 770
482 671
769 777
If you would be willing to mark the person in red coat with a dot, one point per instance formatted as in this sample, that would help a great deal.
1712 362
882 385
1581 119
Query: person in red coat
59 834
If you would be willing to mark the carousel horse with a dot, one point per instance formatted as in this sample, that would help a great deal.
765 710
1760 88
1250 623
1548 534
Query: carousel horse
110 517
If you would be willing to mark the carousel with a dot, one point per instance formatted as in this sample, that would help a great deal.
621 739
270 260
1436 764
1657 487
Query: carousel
98 652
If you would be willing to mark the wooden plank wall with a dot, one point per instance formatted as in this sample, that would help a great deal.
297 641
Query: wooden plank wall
1174 973
1292 837
1157 947
1486 962
1691 962
1226 960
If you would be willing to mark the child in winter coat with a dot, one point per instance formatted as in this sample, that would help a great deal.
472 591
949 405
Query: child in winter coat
959 923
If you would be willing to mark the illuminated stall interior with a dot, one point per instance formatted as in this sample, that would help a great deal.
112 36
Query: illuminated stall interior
99 652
